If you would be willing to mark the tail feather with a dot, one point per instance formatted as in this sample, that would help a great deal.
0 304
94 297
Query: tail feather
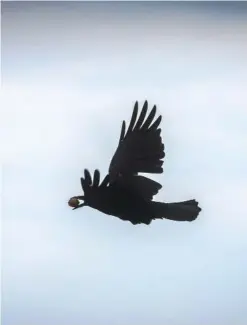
179 211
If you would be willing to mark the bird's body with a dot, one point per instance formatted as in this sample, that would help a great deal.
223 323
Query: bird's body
130 207
125 194
123 203
115 199
127 203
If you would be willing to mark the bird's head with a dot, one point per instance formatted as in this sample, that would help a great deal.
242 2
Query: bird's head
75 202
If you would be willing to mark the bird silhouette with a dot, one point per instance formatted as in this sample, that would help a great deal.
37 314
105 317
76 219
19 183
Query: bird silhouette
124 193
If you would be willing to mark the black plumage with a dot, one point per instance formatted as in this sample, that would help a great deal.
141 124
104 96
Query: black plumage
140 149
125 194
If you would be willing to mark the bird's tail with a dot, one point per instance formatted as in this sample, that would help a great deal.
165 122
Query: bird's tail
179 211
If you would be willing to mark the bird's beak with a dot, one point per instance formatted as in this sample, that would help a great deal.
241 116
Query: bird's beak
79 206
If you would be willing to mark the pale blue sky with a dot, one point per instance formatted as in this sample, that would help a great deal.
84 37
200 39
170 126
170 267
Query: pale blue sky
69 70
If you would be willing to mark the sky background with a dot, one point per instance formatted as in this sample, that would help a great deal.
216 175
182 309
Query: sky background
71 73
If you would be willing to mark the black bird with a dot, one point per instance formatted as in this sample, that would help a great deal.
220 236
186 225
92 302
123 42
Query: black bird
125 194
127 204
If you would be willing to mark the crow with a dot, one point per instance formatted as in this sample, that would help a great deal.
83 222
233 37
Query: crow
124 193
127 204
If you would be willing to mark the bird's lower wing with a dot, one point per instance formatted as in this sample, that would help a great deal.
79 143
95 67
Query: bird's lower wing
141 185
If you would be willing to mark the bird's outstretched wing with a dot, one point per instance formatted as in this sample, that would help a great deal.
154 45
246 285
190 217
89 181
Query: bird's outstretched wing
140 148
88 183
